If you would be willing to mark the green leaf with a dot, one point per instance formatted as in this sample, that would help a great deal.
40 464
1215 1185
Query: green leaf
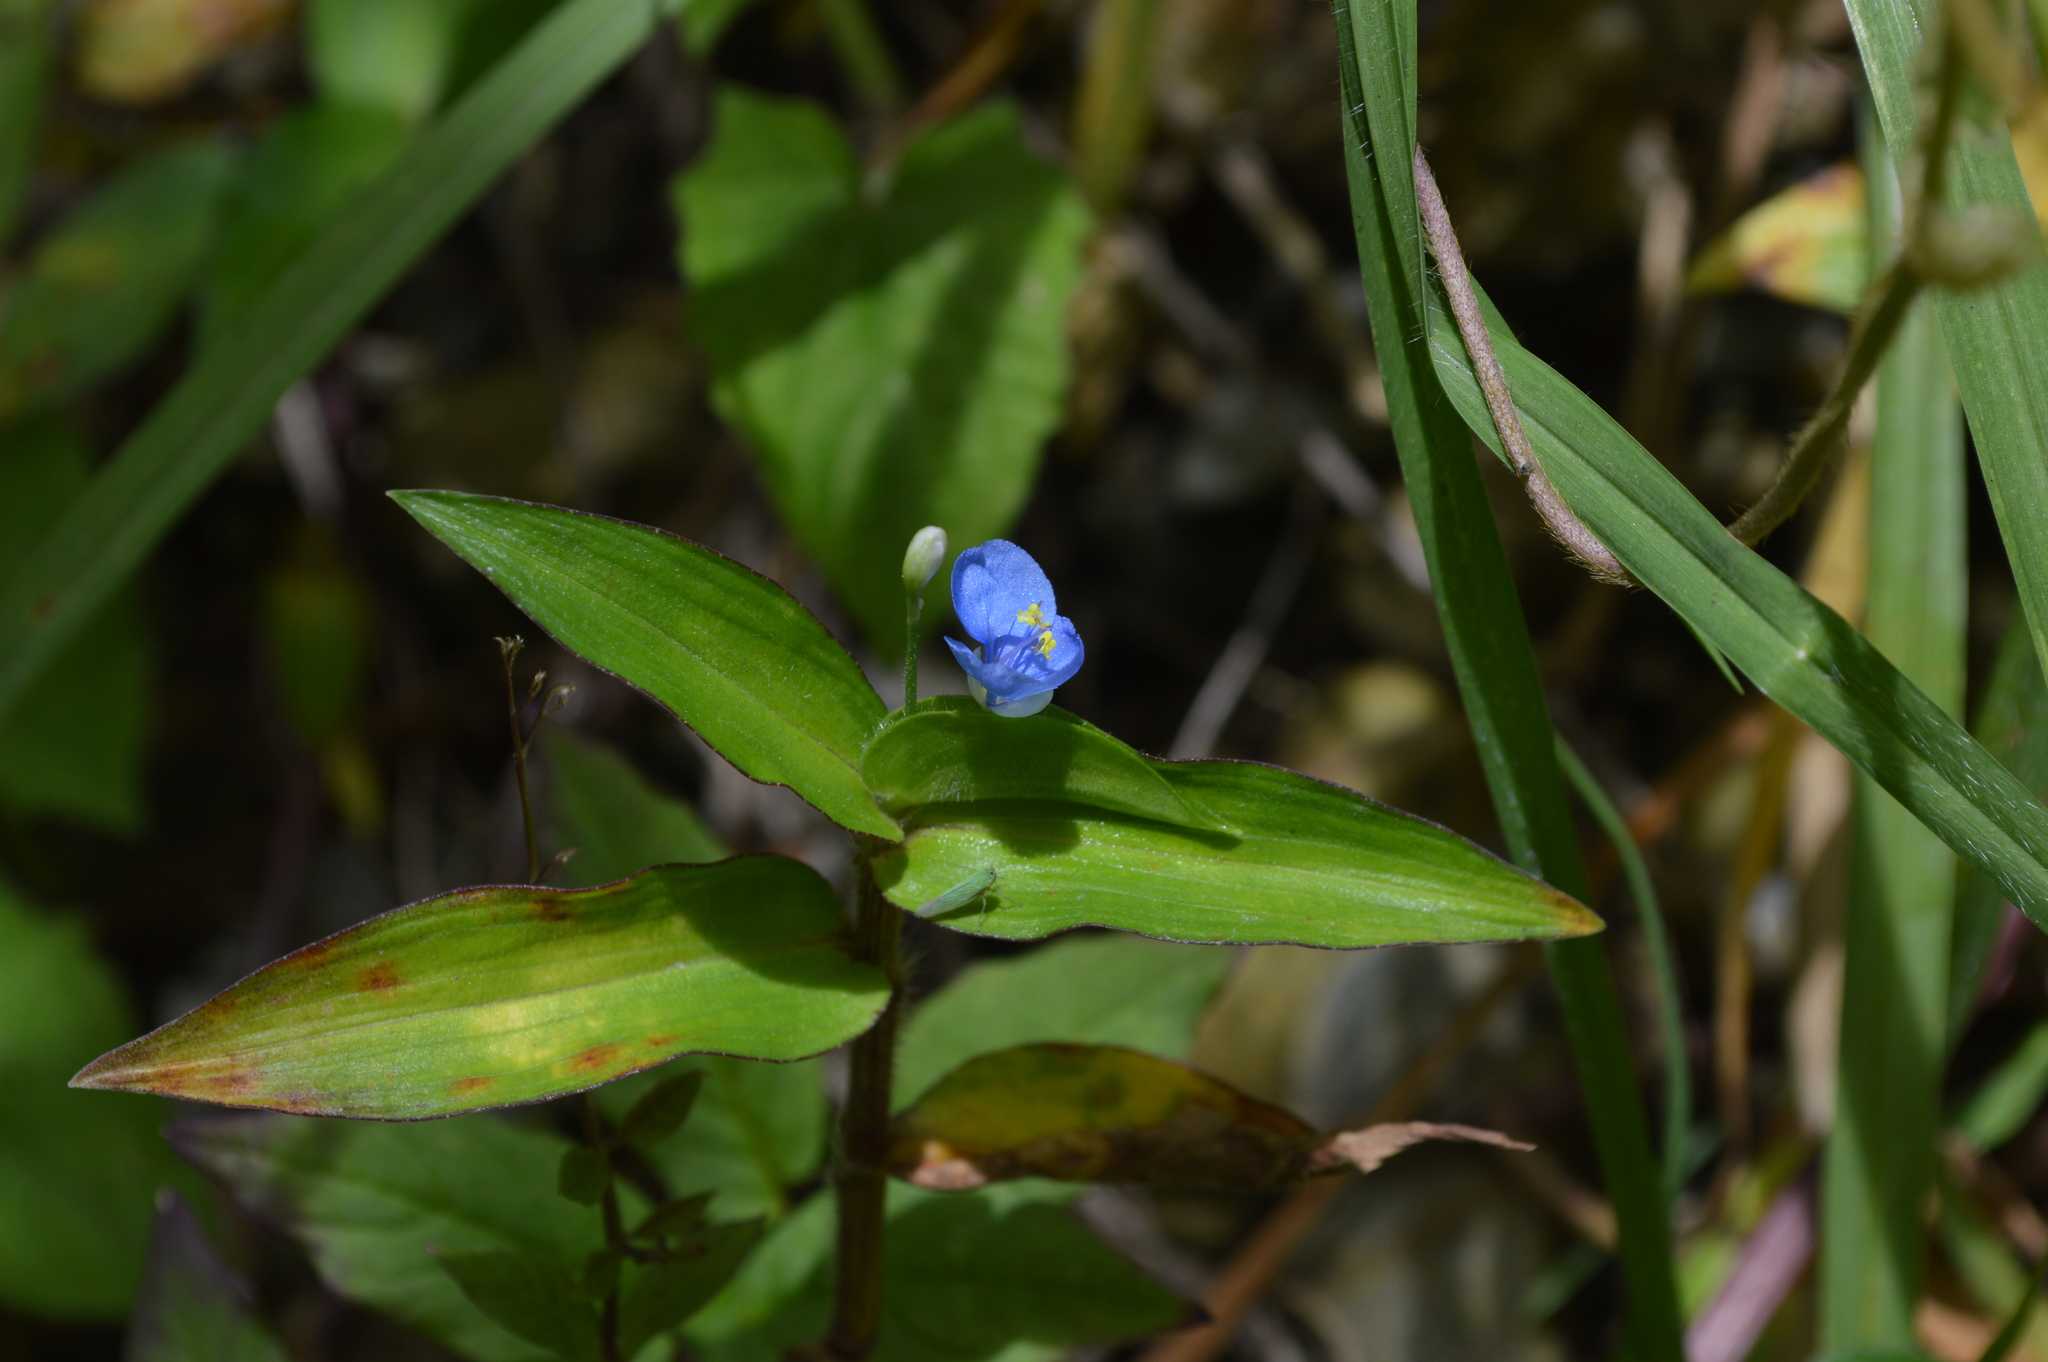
663 1294
297 176
190 436
1314 864
617 821
76 747
582 1176
950 750
193 1308
895 358
1799 652
486 997
756 1131
318 632
676 1216
528 1294
703 22
727 651
369 1201
394 56
1109 989
1994 334
1001 1272
2012 723
2007 1099
660 1112
102 284
78 1171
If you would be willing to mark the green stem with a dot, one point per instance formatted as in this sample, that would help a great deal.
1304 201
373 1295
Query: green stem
913 616
614 1227
859 1181
1670 1016
508 650
863 55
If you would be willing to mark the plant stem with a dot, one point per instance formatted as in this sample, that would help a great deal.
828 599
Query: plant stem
913 615
858 1179
614 1228
508 650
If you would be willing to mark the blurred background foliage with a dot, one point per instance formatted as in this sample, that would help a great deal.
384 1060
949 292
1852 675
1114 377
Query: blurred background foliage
799 277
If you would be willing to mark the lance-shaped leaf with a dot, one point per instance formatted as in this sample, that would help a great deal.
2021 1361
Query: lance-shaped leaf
950 750
1797 650
486 997
727 651
1101 1113
1310 864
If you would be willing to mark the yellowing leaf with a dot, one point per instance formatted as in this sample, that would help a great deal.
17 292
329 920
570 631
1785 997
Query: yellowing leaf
141 51
1100 1113
1805 245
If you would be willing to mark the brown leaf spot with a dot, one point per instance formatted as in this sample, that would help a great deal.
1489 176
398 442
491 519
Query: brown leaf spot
377 978
660 1042
42 608
548 908
470 1087
595 1058
308 957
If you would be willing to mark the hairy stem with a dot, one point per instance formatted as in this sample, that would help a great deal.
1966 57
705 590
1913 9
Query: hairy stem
913 616
1514 441
858 1179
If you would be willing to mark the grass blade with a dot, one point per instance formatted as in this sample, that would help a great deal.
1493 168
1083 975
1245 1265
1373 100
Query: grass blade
224 399
1487 638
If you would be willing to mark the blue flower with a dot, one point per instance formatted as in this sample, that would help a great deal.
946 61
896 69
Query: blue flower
1027 650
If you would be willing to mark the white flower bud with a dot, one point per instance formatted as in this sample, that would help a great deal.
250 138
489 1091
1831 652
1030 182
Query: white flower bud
922 559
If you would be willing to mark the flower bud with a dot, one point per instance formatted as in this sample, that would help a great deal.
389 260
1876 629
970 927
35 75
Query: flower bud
921 560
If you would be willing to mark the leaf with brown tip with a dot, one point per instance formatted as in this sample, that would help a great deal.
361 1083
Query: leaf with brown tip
495 996
1100 1113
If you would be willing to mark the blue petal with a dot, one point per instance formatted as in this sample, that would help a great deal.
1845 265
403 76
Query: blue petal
994 583
1014 691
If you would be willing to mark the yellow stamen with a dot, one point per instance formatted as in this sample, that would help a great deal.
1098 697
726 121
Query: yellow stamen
1045 644
1034 616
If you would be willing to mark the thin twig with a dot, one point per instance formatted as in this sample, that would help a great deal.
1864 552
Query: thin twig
1450 262
1242 656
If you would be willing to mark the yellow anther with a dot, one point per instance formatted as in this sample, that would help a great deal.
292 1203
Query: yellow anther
1034 616
1044 644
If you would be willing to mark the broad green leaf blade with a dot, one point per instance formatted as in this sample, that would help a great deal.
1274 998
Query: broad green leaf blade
618 821
1108 989
190 436
1101 1113
75 749
1312 864
896 359
1993 335
103 282
660 1296
756 1132
1003 1273
77 1170
1799 652
369 1200
297 176
1487 635
193 1308
952 751
527 1293
487 997
725 650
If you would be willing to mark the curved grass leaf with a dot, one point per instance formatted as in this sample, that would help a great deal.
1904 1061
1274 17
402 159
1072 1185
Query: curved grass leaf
724 649
895 352
950 750
487 997
1312 864
190 436
372 1202
1101 1113
1797 650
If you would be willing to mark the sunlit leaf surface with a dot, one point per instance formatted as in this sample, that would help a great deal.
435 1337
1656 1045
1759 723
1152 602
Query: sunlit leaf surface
895 351
1311 864
728 651
1806 244
492 996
